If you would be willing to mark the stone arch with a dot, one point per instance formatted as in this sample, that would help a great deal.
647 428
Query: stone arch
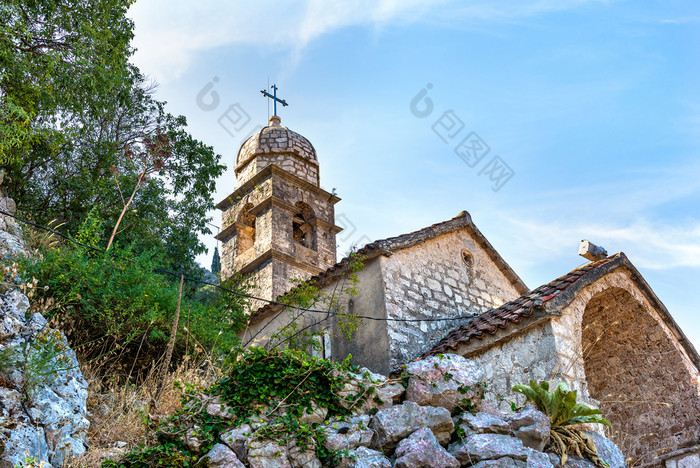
245 224
636 371
303 230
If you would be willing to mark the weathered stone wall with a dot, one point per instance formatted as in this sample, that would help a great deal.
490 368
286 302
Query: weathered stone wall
431 280
288 161
627 342
531 355
612 338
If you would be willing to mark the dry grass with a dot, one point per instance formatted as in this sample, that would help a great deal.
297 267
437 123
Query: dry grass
119 415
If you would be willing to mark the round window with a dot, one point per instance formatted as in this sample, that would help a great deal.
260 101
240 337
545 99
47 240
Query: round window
467 258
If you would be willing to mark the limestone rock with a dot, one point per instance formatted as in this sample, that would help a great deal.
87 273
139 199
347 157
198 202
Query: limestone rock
299 458
215 407
267 453
481 423
367 390
505 462
191 440
437 381
362 457
536 459
393 424
531 426
422 450
348 435
49 420
488 446
236 438
316 416
220 456
607 450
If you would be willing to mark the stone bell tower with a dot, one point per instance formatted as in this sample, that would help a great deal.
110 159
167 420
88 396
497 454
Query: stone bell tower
278 224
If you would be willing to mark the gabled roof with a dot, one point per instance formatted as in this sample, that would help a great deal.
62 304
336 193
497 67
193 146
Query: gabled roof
547 300
391 244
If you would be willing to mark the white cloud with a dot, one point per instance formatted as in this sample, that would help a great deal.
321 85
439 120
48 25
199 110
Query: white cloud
169 33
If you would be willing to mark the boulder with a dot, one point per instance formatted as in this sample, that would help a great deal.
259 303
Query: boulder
481 423
505 462
393 424
267 453
531 426
445 380
220 456
299 458
536 459
348 435
236 439
607 450
362 457
315 416
367 390
217 408
479 447
422 450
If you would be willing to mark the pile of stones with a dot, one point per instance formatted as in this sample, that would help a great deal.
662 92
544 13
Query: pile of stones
408 426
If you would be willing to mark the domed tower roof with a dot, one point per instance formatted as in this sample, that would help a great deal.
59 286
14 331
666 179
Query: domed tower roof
276 145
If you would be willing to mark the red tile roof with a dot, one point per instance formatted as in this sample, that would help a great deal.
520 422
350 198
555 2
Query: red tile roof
514 311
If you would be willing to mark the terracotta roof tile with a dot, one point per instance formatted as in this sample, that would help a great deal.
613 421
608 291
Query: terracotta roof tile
513 311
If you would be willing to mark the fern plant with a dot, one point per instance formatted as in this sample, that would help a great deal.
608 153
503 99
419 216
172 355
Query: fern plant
561 408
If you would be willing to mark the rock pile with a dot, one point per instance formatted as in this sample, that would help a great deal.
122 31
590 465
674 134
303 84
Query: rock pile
411 428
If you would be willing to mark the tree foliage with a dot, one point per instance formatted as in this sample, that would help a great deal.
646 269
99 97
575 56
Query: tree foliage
78 123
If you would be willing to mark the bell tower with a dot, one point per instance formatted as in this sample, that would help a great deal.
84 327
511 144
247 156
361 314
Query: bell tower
278 224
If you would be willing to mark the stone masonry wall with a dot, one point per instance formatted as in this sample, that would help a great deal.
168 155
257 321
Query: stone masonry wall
430 280
612 338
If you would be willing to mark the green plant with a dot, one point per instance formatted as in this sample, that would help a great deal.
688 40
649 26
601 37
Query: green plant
561 408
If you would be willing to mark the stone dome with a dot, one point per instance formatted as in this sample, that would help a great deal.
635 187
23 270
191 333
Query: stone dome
275 139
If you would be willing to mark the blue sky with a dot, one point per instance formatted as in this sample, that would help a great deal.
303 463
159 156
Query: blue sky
592 106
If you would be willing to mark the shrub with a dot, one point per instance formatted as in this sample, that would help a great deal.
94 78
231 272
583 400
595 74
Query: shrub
119 310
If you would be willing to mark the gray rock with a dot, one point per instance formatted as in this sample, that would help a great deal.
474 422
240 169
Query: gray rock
316 416
537 459
217 408
299 458
362 457
437 380
422 450
531 426
191 440
393 424
488 446
267 453
348 435
505 462
481 423
24 440
220 456
607 450
367 390
236 438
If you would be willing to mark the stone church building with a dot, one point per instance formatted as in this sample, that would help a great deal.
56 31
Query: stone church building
445 289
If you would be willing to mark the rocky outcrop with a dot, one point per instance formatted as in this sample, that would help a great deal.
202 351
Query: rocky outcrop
42 391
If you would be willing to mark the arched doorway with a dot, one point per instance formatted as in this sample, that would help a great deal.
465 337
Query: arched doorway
635 369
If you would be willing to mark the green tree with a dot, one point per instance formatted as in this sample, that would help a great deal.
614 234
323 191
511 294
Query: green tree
75 119
216 262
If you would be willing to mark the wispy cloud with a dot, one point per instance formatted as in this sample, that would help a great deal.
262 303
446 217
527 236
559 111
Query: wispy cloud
169 33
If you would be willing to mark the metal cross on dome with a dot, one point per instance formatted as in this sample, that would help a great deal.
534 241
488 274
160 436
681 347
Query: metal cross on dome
274 97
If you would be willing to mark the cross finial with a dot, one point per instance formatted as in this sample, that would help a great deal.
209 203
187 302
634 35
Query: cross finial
274 97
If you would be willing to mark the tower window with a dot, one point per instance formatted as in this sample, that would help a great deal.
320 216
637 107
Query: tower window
246 229
302 229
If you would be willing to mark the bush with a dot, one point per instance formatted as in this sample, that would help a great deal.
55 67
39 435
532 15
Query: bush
119 310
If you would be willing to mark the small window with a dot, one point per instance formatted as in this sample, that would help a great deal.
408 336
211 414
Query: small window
467 258
303 230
